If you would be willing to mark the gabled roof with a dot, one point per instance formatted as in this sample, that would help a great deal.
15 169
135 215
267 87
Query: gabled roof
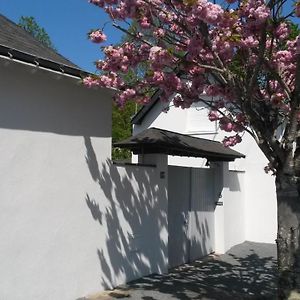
16 43
154 140
145 109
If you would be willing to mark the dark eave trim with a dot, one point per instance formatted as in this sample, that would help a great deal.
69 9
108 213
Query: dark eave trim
38 61
141 114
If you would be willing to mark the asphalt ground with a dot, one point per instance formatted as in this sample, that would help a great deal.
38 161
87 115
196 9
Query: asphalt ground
246 271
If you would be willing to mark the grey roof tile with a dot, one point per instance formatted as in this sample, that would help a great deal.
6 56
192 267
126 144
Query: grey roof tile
15 37
155 140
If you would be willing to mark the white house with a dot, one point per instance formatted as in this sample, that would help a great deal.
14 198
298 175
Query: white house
74 223
251 212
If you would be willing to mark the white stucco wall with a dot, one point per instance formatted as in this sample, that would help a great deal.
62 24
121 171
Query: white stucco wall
234 209
133 234
66 213
260 193
230 214
260 218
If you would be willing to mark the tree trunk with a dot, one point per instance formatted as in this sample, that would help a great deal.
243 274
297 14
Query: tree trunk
288 248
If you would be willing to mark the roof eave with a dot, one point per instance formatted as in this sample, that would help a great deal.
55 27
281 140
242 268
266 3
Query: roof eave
39 61
209 157
148 149
143 111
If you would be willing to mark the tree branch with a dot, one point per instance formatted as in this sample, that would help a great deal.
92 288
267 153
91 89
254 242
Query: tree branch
261 53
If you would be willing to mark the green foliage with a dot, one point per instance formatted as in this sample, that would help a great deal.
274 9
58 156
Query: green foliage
121 116
295 31
121 122
31 26
121 128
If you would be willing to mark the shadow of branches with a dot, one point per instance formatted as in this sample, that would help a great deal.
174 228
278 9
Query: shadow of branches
247 271
132 215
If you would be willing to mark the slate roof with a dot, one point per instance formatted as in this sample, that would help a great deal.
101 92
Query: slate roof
154 140
15 42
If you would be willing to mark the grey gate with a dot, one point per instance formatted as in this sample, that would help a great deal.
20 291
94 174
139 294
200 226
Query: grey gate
191 206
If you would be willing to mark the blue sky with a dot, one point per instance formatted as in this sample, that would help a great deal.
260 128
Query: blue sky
67 22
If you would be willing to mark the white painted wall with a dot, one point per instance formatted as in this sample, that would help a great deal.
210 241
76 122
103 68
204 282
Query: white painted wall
260 205
260 193
179 211
202 224
134 234
230 213
260 219
234 209
71 223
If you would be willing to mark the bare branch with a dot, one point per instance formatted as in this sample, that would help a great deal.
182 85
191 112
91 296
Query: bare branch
131 34
261 53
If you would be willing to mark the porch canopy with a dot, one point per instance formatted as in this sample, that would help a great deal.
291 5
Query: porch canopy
154 140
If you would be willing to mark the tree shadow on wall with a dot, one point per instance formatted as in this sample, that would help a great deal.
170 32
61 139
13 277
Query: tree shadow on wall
133 218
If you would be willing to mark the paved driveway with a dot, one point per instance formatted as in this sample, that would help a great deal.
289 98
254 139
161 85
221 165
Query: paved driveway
247 271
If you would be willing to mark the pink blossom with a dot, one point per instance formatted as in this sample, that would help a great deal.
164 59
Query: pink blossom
213 115
196 70
158 77
159 57
282 31
97 36
99 3
178 101
173 82
256 13
208 12
159 33
196 47
241 118
128 94
145 23
232 140
89 81
250 42
225 124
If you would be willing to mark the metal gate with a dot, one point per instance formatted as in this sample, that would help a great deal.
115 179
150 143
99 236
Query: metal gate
191 208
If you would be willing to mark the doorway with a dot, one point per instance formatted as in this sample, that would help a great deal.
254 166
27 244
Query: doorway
191 207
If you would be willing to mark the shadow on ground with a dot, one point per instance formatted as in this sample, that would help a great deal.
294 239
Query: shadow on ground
246 271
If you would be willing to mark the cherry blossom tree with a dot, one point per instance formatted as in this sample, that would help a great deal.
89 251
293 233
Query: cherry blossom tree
245 55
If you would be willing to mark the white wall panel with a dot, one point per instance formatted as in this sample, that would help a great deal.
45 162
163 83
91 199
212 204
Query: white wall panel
71 222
